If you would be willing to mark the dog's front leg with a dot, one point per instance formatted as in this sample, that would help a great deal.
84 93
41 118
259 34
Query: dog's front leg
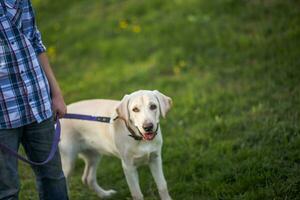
158 175
132 180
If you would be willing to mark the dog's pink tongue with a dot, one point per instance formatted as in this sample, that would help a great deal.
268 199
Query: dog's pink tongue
149 136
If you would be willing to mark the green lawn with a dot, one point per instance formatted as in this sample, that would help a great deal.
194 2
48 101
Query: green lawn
232 68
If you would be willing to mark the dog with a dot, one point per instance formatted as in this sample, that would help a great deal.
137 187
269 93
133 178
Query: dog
134 135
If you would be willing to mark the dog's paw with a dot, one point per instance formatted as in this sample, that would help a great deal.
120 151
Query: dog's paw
107 194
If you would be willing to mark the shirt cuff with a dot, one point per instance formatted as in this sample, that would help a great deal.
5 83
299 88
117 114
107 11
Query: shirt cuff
39 48
37 42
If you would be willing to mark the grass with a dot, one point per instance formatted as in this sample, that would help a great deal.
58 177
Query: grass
231 67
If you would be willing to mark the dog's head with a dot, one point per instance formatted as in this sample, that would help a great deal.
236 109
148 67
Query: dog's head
142 109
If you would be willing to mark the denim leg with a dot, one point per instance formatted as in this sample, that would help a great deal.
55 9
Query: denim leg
9 179
37 140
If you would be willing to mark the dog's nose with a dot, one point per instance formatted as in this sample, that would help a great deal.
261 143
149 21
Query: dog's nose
148 126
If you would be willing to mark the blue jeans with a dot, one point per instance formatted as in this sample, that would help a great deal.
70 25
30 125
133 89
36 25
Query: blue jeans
36 139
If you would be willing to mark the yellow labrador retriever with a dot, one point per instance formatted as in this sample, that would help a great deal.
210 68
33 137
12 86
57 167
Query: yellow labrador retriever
134 136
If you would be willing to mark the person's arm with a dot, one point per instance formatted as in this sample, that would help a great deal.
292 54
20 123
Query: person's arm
58 104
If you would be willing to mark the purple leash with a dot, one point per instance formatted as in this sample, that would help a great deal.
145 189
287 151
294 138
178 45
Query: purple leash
87 117
51 154
56 137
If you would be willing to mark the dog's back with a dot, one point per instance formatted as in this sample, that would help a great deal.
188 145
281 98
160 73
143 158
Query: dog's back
104 107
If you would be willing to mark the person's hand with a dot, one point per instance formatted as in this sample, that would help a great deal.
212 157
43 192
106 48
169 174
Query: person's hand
58 106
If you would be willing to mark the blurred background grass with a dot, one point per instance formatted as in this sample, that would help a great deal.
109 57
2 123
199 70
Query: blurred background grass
232 68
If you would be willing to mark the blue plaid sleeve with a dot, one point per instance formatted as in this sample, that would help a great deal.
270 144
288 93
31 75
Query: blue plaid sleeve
29 28
24 88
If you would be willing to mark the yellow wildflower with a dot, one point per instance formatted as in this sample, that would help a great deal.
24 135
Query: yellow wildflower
51 51
123 24
136 29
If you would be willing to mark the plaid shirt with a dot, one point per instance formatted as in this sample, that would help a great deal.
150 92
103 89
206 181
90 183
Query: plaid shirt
24 88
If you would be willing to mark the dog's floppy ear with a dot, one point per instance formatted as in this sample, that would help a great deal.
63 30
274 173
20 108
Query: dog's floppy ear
122 109
164 101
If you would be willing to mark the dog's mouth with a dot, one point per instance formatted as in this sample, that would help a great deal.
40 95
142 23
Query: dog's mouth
149 135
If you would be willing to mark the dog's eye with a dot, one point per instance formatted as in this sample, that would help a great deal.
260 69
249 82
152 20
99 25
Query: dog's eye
136 109
153 107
